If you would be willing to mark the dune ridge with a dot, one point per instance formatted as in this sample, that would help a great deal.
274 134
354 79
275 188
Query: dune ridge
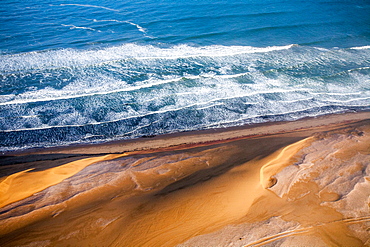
305 187
12 188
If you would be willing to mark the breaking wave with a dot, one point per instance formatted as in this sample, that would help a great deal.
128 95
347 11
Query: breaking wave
66 96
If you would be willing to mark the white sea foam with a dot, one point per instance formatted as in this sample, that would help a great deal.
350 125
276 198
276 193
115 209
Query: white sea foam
366 47
295 100
74 58
72 92
337 94
109 20
199 98
86 5
76 27
224 85
346 101
50 94
200 102
293 114
140 28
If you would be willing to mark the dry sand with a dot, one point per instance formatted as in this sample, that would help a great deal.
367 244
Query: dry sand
301 183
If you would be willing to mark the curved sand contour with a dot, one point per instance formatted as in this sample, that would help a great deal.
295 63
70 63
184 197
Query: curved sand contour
293 188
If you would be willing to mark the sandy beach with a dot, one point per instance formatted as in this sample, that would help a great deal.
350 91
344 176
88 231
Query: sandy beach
299 183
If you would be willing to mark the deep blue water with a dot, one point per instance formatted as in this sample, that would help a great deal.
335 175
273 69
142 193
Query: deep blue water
92 71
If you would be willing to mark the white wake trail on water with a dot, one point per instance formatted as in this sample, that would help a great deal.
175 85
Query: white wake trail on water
139 28
85 5
78 27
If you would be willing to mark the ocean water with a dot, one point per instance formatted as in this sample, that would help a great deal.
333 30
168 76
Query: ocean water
94 71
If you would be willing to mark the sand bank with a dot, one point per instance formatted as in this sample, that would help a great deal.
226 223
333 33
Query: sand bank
297 183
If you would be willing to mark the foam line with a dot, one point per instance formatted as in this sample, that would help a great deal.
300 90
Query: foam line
345 101
213 51
86 5
295 101
220 76
347 71
74 58
165 111
366 47
141 127
209 106
140 28
246 95
111 20
69 95
28 116
243 119
76 27
335 94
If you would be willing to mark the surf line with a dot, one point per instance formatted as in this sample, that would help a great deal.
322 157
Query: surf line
24 184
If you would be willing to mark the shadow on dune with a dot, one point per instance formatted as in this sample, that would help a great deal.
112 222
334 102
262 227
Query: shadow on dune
247 150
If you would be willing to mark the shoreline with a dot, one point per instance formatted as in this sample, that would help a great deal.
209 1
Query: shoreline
306 181
187 139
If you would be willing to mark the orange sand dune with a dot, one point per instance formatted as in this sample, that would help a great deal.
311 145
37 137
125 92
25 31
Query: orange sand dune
204 208
25 183
297 188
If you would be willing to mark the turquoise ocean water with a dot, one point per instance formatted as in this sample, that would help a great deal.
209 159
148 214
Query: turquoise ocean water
94 71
